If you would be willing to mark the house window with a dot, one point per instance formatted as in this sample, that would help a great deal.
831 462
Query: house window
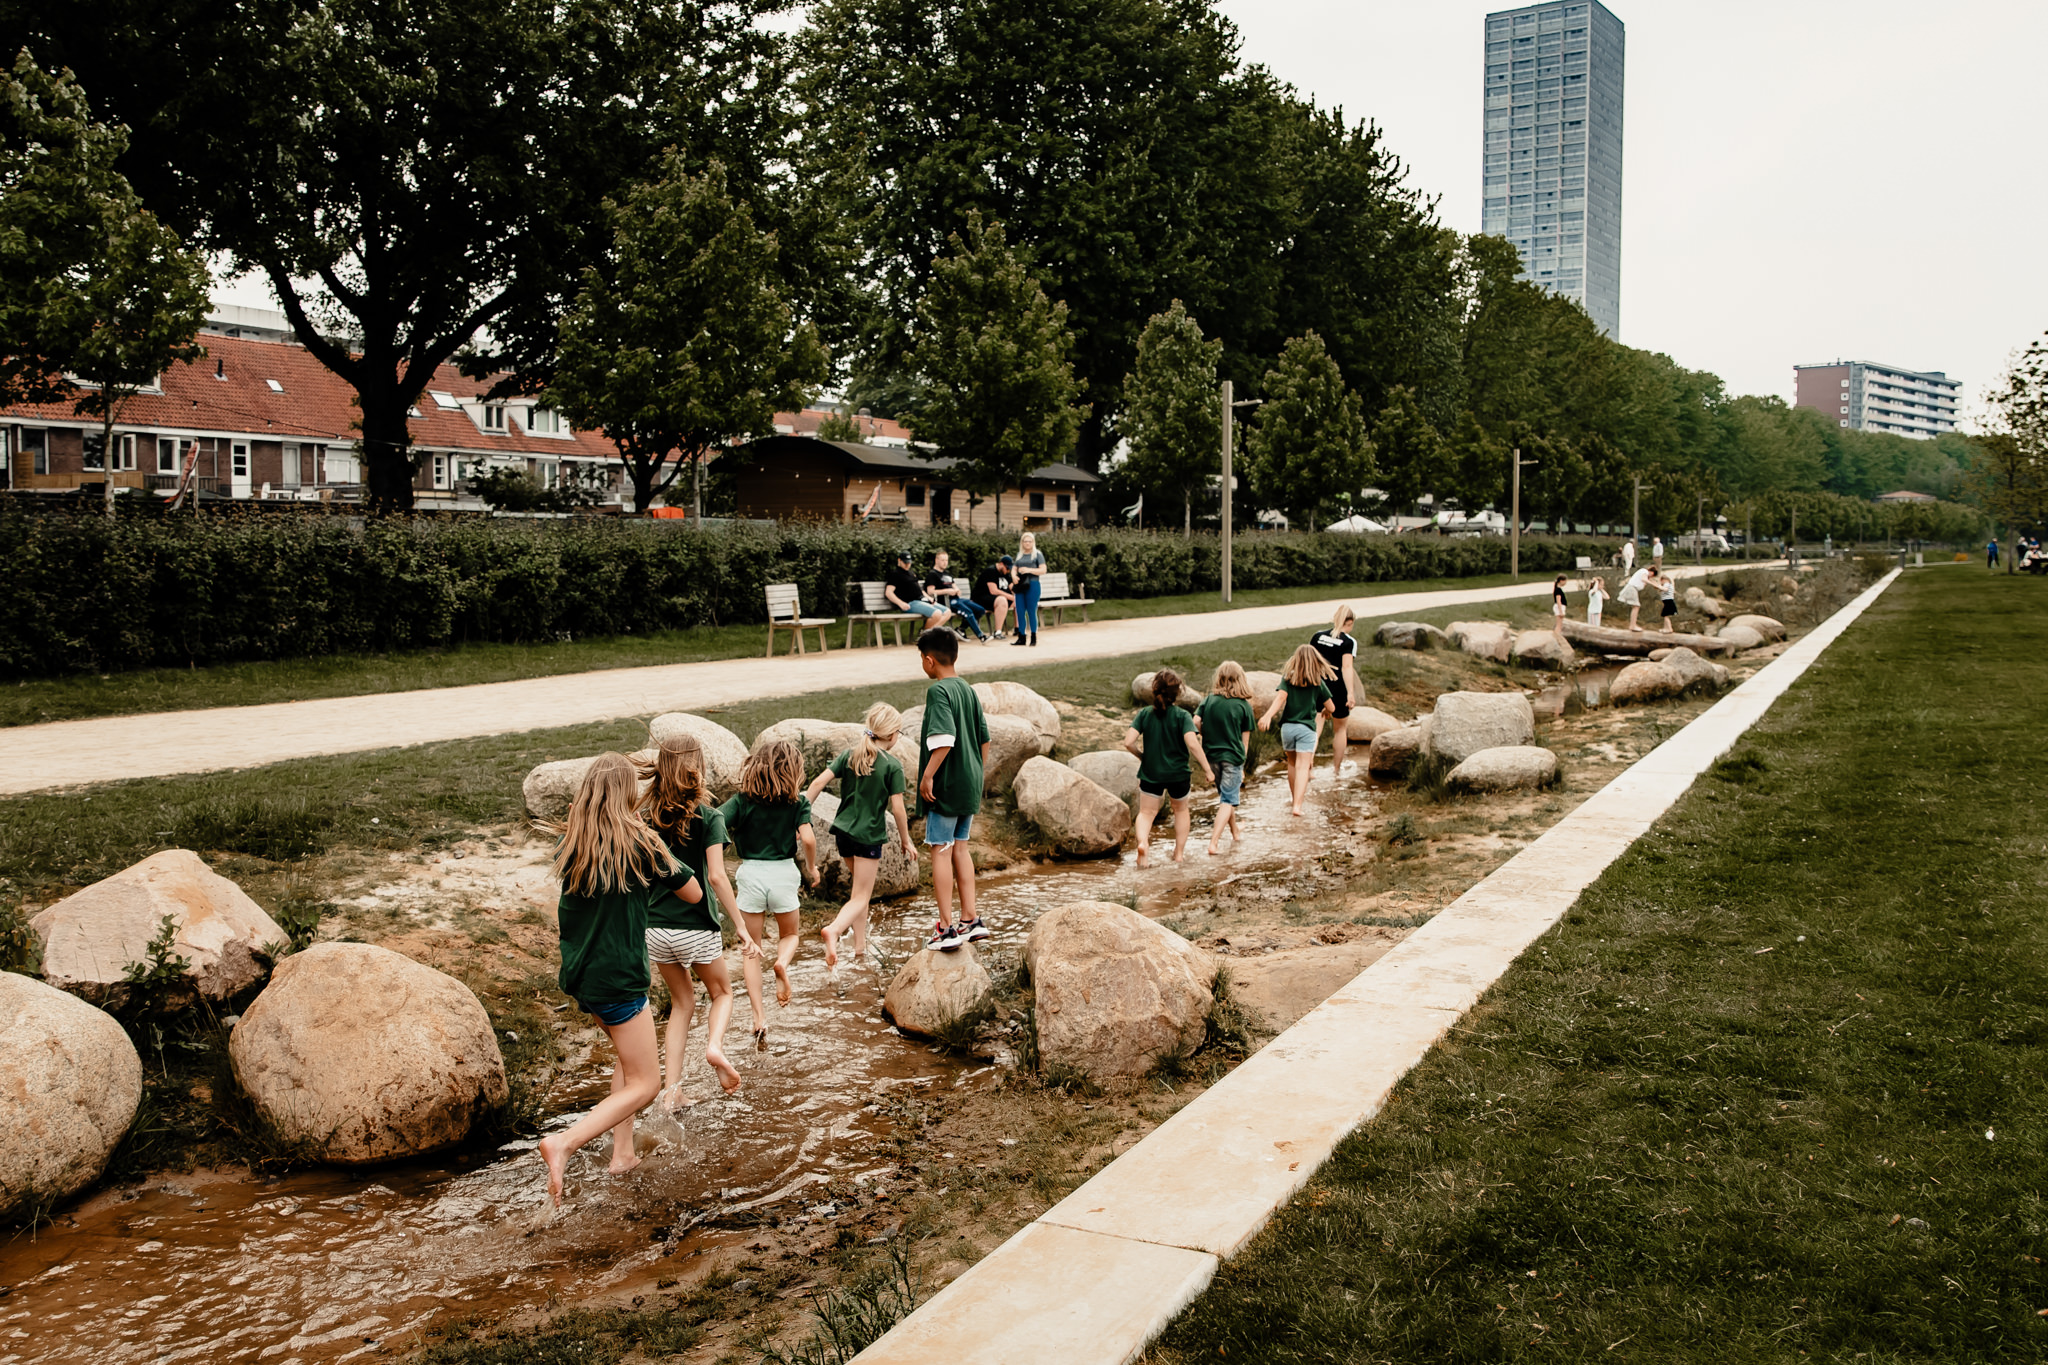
550 473
289 476
124 452
1066 502
166 455
546 421
238 461
494 417
1038 502
35 443
343 467
95 448
440 471
913 496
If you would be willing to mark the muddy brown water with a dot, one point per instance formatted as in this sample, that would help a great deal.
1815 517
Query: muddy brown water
325 1265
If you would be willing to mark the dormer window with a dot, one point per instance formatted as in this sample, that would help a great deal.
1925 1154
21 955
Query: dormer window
494 417
545 421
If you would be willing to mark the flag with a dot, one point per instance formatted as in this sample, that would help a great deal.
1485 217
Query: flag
869 509
1137 508
185 475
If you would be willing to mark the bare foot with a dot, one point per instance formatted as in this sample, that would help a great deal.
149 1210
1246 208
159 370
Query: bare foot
1297 811
728 1077
672 1099
1214 851
831 946
781 984
554 1154
1175 855
620 1165
1144 856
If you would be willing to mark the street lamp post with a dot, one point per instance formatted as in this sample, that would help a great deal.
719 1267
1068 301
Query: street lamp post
1699 548
1229 475
1515 516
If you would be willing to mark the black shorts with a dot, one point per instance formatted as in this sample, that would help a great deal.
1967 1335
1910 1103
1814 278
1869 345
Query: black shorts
1670 607
1173 791
853 848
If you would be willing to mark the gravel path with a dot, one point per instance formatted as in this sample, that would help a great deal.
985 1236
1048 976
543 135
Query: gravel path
77 752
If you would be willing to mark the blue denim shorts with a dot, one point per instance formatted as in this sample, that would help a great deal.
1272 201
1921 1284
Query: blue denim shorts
611 1016
1229 779
1297 738
941 829
920 607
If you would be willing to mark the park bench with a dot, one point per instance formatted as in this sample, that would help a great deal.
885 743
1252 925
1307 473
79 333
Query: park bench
1055 596
785 612
876 611
1583 563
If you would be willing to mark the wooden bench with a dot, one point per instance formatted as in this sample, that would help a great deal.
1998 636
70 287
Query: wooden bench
876 611
785 612
1055 596
1583 563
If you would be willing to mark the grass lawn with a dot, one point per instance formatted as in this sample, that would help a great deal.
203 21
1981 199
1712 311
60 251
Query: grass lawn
1776 1090
78 696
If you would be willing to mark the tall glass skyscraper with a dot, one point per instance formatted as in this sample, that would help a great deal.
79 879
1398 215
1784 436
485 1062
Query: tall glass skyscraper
1553 148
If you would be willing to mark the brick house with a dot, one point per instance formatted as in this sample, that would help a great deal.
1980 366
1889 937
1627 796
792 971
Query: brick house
786 476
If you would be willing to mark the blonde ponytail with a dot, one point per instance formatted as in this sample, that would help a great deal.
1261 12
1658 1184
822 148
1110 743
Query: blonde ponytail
882 724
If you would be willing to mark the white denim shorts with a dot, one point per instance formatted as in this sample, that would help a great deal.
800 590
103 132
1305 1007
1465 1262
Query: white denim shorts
767 888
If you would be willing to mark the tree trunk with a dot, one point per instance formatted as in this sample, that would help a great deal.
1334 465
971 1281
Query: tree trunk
697 487
1187 515
387 450
642 471
107 451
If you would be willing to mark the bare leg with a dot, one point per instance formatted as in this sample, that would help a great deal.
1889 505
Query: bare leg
854 912
750 969
1180 828
942 882
1223 814
1340 744
1148 811
787 938
1298 765
682 1004
963 878
634 1084
718 985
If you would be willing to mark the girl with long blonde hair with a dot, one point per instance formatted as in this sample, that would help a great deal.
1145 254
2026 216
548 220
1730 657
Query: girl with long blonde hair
1300 704
1224 720
682 938
768 822
871 787
611 866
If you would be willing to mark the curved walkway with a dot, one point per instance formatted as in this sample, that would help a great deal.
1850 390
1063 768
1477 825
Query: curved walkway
78 752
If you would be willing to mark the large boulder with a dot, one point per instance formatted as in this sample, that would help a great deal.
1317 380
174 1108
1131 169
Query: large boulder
1265 686
1739 638
354 1054
71 1083
1011 741
1015 699
1645 681
1366 724
1113 770
1114 990
1699 675
1764 626
1466 722
1509 768
1493 640
1410 635
1705 605
91 936
934 990
819 741
1394 751
898 874
1078 817
1187 699
724 753
551 787
1542 649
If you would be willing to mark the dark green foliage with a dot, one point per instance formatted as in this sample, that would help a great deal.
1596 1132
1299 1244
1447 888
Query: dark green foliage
274 827
19 949
87 594
852 1318
159 975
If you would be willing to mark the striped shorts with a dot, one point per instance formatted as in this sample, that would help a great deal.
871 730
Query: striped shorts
684 947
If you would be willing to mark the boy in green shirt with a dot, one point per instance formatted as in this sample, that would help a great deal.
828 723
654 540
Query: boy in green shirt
952 752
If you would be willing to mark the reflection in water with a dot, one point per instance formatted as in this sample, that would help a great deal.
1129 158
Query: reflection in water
326 1264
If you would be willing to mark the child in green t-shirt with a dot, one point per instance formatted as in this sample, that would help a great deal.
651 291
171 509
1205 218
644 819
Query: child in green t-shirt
952 754
611 866
870 791
1300 705
1164 739
1225 721
768 823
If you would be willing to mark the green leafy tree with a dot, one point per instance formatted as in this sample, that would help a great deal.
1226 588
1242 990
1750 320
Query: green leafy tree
991 353
91 284
1172 415
406 173
1413 459
1476 465
839 426
687 342
1309 448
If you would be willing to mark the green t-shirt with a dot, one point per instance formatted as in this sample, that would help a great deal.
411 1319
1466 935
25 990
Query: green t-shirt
864 801
951 708
764 833
705 831
604 940
1162 733
1224 722
1304 704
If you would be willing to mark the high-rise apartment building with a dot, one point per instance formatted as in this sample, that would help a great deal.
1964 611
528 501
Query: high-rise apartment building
1553 148
1865 396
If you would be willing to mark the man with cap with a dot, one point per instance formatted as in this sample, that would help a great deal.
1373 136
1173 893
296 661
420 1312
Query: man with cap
992 592
902 588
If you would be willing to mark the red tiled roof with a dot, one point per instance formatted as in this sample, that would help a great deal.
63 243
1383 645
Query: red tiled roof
806 423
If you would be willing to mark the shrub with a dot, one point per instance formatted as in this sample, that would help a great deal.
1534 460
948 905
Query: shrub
85 593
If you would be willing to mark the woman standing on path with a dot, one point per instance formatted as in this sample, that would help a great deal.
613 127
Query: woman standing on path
871 787
1339 649
1164 739
1300 704
1028 568
1225 721
769 823
1557 606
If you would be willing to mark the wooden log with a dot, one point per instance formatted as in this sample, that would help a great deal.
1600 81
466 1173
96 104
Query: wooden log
1610 640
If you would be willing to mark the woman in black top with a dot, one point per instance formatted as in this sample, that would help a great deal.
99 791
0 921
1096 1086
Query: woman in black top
1339 650
1557 606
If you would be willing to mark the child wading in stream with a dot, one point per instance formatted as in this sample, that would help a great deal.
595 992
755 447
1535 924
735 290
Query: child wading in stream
768 822
1300 705
871 789
952 754
683 938
1164 739
611 866
1225 721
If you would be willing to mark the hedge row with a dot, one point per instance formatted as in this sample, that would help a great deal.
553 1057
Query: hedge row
82 593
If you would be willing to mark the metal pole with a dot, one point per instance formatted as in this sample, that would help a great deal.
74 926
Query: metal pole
1228 391
1515 523
1699 551
1635 513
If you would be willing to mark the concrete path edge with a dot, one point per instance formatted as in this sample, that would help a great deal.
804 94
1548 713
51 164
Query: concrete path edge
1096 1278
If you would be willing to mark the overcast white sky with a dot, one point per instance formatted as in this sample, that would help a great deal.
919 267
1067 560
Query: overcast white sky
1803 181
